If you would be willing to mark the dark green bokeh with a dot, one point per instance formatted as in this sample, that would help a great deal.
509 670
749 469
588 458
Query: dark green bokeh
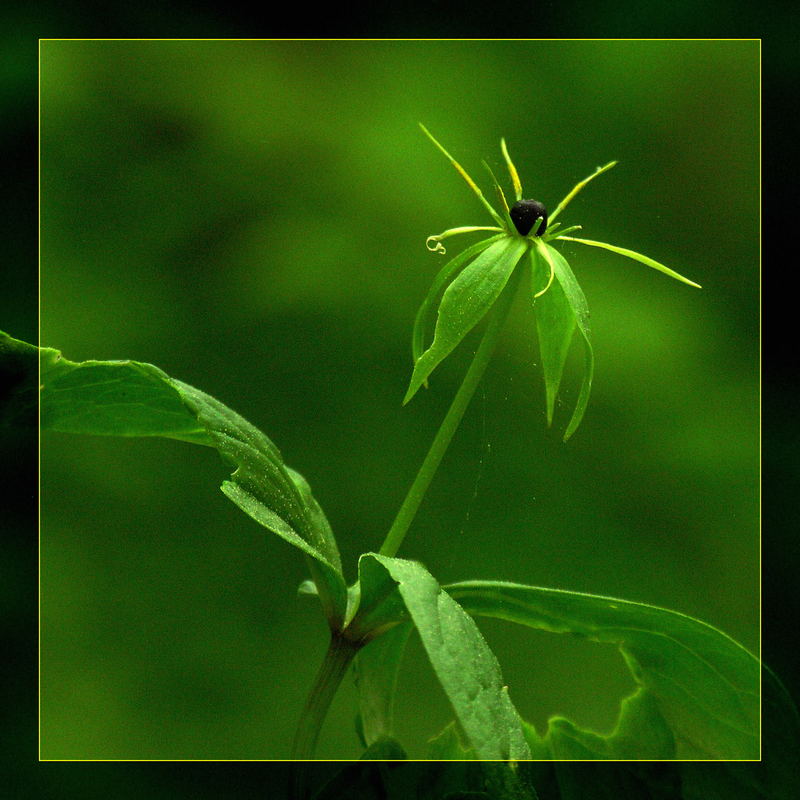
250 216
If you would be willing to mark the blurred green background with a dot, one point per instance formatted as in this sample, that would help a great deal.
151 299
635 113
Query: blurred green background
251 217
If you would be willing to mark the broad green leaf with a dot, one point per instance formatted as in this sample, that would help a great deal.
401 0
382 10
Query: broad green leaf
701 683
376 667
462 661
580 312
773 778
640 733
648 262
555 323
450 268
466 301
128 398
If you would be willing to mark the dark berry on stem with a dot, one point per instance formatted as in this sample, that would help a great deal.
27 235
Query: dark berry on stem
524 214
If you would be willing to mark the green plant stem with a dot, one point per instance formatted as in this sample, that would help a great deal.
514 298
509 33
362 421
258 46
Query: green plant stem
447 429
333 668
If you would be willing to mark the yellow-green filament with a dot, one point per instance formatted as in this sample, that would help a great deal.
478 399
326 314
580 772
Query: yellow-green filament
434 243
512 170
462 172
563 204
501 196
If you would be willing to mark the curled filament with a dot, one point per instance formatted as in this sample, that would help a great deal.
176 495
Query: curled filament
434 244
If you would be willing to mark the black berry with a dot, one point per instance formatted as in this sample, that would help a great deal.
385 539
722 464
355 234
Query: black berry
524 214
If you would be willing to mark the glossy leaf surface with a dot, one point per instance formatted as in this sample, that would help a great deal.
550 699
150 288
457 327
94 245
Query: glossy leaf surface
129 398
462 661
699 695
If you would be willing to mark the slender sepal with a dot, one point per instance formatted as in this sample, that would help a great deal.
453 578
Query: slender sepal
577 188
498 190
462 172
512 171
646 260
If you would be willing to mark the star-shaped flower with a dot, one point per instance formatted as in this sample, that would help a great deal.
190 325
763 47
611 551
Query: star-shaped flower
523 238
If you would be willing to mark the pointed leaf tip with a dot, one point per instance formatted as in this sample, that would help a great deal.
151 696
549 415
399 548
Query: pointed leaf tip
642 259
559 312
130 398
461 171
466 301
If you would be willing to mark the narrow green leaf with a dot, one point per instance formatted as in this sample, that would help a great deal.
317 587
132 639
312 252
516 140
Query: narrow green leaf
462 661
555 323
376 667
466 301
422 319
580 312
648 262
700 682
129 398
